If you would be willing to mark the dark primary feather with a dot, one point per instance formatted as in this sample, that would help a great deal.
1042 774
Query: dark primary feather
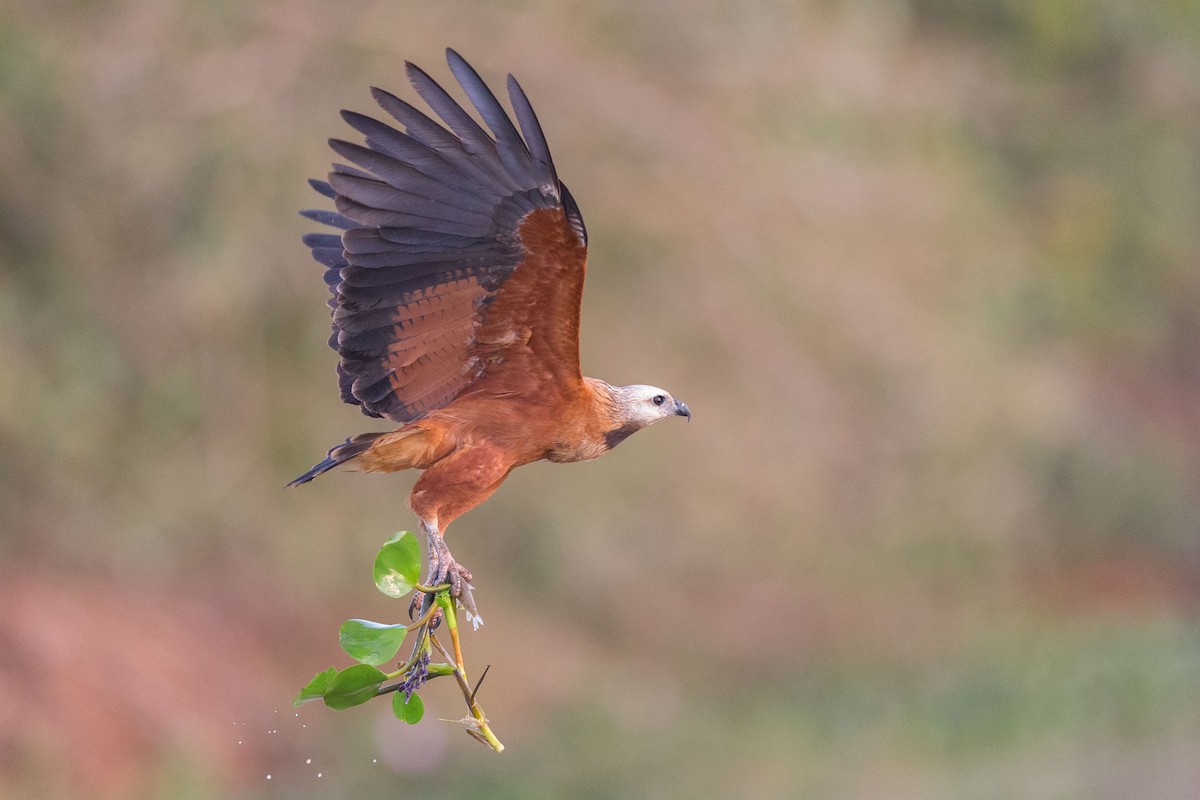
535 139
443 166
431 216
509 145
418 127
409 178
322 188
330 218
464 126
574 215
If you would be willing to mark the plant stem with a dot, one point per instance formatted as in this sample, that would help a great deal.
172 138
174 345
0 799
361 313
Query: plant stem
421 626
435 671
481 731
447 605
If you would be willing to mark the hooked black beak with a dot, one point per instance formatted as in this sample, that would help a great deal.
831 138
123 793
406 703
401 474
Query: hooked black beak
681 410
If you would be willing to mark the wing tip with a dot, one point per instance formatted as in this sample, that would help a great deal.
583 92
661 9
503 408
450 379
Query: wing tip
322 188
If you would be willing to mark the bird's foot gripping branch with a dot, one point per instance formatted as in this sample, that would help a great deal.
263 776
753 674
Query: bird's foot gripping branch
374 644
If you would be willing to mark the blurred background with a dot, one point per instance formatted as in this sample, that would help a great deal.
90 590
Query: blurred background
926 271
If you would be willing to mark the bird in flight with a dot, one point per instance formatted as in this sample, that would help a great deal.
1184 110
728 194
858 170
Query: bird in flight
457 278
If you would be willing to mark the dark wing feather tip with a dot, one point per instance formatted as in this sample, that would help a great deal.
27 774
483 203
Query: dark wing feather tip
322 188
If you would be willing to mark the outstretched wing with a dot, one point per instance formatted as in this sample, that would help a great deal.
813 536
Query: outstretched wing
461 257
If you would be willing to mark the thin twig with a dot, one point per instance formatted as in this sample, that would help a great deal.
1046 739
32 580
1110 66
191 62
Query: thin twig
479 682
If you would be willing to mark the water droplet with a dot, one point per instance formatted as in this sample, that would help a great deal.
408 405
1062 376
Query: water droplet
268 776
318 774
308 761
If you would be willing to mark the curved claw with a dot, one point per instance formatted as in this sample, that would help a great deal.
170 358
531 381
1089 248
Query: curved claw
443 569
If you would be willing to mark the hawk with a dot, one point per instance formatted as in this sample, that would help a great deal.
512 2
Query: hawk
456 279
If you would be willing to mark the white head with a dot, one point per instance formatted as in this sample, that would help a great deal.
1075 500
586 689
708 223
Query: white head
639 405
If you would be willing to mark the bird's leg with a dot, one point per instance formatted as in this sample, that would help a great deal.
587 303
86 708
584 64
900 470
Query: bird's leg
444 569
442 566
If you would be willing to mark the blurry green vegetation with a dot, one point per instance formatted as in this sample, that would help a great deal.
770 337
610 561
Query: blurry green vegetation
927 272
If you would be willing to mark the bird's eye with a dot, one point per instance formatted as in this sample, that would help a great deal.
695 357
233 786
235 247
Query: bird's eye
659 400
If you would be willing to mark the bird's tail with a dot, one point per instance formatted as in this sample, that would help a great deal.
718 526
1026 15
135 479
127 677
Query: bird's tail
340 454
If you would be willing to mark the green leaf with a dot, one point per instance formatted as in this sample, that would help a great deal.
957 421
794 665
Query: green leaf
398 565
316 687
371 642
410 711
353 685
